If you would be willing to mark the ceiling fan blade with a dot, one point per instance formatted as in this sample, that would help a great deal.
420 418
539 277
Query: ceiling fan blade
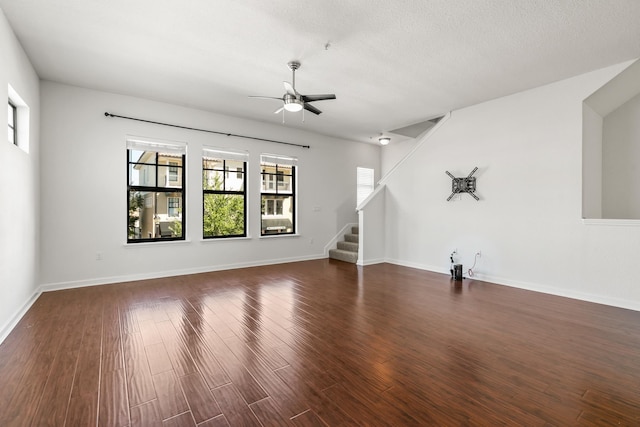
279 110
265 97
311 108
311 98
290 89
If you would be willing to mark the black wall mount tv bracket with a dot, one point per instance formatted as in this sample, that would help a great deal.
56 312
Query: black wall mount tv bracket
463 185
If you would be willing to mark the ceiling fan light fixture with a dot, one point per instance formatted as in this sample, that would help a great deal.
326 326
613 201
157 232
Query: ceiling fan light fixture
291 103
293 106
384 140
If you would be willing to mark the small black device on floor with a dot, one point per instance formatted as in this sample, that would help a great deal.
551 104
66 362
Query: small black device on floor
457 272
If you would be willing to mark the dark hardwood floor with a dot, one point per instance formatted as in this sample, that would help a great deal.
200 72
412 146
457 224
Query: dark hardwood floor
319 343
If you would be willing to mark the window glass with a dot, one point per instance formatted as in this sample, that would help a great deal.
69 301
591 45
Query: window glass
364 184
12 114
155 192
277 195
223 194
154 215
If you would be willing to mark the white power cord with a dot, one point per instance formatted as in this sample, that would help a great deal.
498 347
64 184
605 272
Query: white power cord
475 259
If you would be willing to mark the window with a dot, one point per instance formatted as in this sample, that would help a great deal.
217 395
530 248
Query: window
155 202
173 206
224 206
17 120
364 184
173 171
12 121
278 195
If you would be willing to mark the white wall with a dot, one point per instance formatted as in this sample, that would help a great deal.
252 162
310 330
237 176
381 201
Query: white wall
394 153
591 163
528 226
371 222
621 161
19 187
84 189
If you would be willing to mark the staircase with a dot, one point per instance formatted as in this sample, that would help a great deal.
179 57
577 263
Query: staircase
347 250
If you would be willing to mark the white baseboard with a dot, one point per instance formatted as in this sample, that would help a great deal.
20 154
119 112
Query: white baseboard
536 287
13 321
419 266
371 261
47 287
568 293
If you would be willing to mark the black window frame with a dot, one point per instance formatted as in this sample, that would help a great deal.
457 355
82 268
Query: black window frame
276 178
224 173
14 125
169 191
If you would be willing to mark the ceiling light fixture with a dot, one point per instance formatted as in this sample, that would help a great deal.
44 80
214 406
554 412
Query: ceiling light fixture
291 103
384 140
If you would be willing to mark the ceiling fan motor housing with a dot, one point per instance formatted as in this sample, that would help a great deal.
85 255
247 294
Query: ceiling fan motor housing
291 103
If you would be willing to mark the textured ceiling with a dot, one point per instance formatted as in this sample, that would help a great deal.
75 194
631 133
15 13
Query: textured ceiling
390 63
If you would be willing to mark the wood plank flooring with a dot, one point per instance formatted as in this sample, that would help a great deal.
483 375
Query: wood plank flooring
319 343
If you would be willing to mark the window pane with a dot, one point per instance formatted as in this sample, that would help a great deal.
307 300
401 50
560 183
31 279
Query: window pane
11 130
234 182
10 112
284 183
164 176
223 215
277 214
235 165
212 163
137 156
142 175
268 168
154 215
268 183
212 180
364 184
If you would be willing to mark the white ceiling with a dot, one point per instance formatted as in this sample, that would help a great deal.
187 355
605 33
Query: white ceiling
391 63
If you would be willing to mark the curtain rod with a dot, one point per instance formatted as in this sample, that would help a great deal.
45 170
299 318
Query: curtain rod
107 114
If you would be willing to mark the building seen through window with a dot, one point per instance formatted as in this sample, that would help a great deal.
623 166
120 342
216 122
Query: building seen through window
156 198
277 195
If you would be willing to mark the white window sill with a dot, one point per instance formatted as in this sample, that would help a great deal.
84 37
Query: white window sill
611 222
158 243
278 236
224 239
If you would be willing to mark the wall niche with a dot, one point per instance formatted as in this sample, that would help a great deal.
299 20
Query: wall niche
611 149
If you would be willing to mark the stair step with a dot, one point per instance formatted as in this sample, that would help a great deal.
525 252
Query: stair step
351 238
342 255
355 230
348 246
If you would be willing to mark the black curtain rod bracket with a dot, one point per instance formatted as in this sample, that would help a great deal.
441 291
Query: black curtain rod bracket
107 114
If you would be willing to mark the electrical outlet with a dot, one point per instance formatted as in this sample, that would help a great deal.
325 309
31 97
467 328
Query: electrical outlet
98 256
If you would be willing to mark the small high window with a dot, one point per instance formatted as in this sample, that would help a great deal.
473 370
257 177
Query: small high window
364 184
12 122
278 194
17 120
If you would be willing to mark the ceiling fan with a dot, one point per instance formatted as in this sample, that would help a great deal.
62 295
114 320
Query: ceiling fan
293 100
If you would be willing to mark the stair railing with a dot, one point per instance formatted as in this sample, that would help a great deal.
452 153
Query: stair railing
371 211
